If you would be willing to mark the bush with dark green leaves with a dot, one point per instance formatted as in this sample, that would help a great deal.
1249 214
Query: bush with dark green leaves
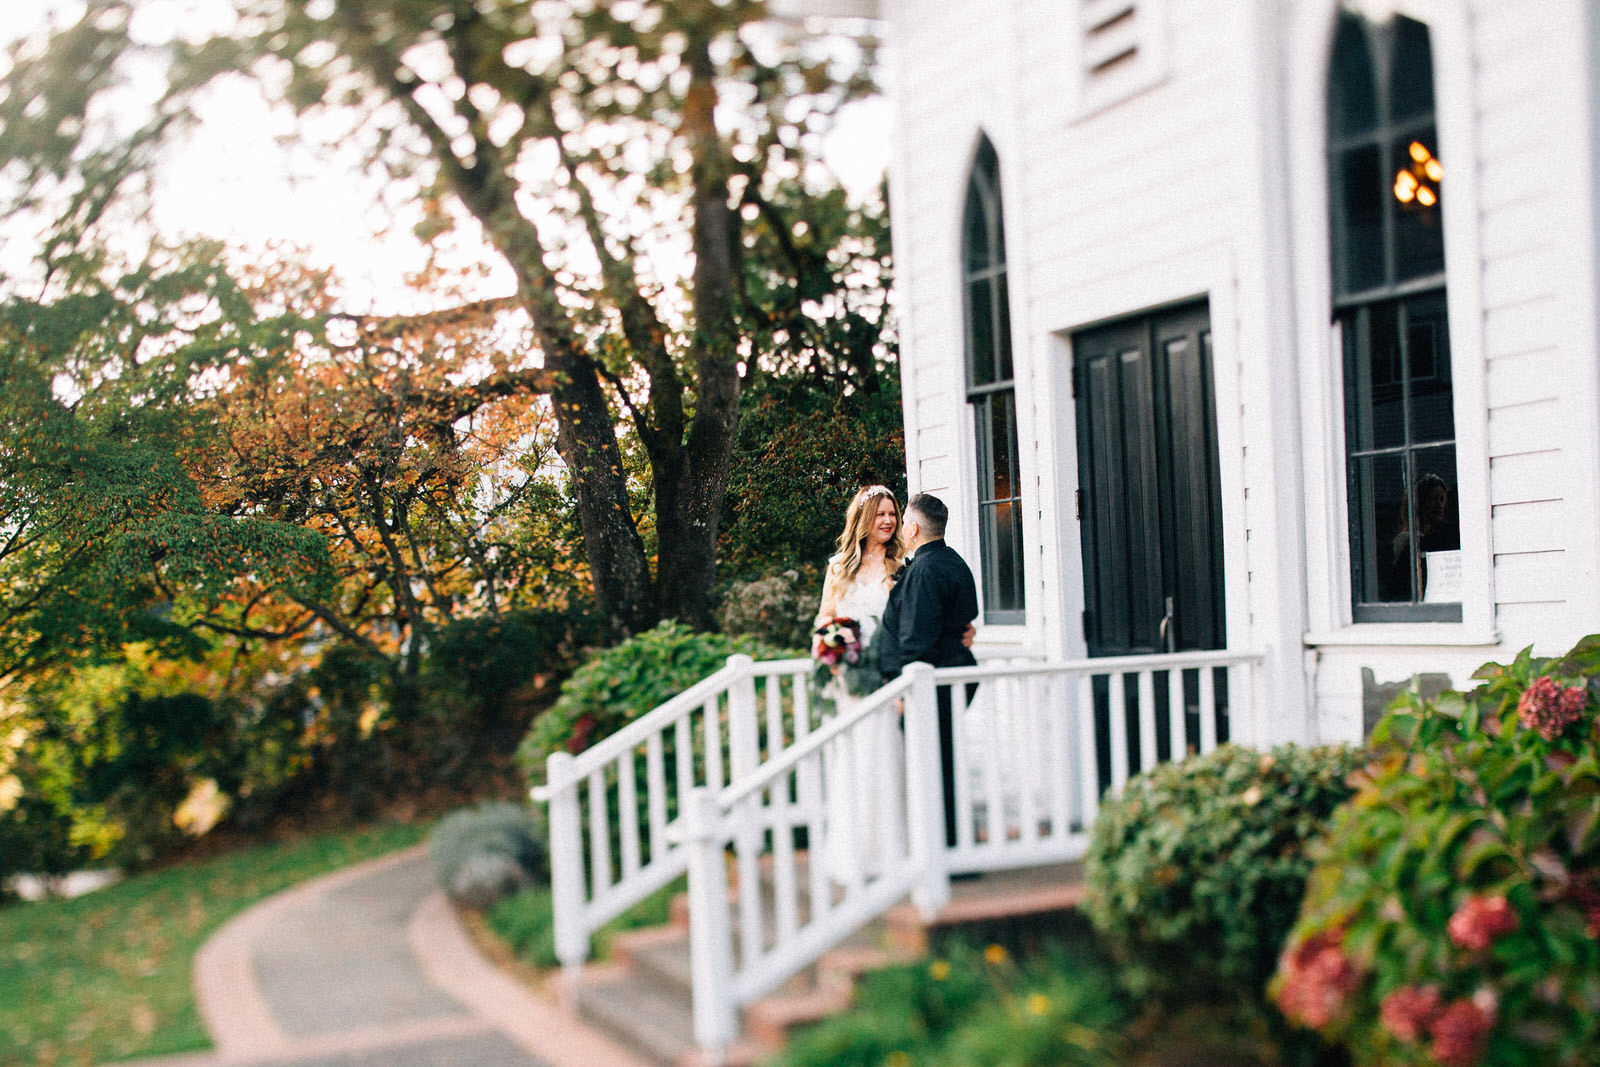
1453 917
625 682
1197 870
485 853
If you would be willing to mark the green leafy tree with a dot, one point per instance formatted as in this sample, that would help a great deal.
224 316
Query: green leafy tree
105 537
600 147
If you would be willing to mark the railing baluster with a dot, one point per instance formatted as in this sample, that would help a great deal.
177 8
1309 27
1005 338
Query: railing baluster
747 853
1208 711
744 741
785 906
656 785
775 739
683 742
1035 726
1060 769
566 866
713 735
999 722
1241 705
966 801
848 836
1119 732
1087 761
1177 722
1147 721
599 833
628 812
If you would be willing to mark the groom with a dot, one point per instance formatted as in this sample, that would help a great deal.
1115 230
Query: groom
933 602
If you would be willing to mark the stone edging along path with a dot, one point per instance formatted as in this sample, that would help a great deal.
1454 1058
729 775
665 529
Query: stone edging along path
379 938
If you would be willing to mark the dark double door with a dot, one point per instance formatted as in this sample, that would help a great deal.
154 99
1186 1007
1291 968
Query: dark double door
1149 503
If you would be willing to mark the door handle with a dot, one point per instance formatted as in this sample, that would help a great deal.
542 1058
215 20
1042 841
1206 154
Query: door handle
1165 635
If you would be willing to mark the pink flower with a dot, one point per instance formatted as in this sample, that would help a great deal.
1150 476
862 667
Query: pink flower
838 639
1459 1033
1550 709
1409 1011
1480 921
1318 980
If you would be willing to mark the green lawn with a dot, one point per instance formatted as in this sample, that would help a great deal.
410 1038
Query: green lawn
107 976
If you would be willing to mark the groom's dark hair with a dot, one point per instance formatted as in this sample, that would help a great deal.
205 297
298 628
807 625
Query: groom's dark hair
932 513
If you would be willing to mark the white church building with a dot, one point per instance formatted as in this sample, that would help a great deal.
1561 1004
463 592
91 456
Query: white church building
1253 345
1267 325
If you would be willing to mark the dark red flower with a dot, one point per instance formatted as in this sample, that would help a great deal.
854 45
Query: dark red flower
1459 1033
582 730
1409 1011
1549 708
1318 980
1481 921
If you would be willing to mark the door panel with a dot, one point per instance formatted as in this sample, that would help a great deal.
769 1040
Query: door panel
1147 471
1151 514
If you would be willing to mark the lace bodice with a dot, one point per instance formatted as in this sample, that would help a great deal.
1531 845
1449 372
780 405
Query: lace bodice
864 601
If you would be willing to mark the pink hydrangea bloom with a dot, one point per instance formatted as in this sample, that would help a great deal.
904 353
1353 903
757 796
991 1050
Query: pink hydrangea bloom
1481 921
1459 1033
1549 708
1409 1011
1318 980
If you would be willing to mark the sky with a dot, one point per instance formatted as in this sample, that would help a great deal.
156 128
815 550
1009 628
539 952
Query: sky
236 178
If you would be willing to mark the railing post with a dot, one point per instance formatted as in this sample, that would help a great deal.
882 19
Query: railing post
716 1017
566 864
925 794
744 743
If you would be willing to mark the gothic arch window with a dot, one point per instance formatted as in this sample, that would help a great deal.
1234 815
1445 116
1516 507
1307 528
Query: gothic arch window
1386 189
991 390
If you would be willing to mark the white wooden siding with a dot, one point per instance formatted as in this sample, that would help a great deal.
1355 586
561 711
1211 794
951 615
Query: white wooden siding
1167 195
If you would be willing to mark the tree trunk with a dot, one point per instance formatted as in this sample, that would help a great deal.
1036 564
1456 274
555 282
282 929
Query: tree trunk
690 514
586 438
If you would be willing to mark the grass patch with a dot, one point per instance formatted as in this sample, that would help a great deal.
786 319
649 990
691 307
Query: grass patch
106 976
523 922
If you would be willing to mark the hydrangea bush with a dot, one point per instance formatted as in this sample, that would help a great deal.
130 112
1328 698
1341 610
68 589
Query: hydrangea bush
1453 917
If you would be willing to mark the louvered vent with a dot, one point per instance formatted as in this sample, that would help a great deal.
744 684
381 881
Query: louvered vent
1110 36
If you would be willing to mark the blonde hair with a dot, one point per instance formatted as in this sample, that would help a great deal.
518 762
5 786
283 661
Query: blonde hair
846 563
858 520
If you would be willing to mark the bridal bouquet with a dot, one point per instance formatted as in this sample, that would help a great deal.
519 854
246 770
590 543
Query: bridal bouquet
838 641
844 664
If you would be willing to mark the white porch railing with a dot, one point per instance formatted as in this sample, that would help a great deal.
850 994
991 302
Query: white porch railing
612 805
841 819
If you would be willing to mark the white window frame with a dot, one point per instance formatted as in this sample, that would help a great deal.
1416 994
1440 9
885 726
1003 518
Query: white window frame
1329 597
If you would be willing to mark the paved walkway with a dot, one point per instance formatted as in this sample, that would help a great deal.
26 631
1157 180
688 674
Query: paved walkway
370 967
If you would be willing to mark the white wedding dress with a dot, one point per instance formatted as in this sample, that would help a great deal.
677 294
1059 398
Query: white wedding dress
864 768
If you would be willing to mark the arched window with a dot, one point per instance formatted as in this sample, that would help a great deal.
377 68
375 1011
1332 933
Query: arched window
992 392
1386 185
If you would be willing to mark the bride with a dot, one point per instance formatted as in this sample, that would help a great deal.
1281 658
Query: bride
870 553
865 824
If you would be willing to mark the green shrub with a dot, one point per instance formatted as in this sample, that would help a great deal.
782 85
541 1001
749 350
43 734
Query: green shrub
525 922
622 683
1453 917
488 852
1197 871
972 1009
